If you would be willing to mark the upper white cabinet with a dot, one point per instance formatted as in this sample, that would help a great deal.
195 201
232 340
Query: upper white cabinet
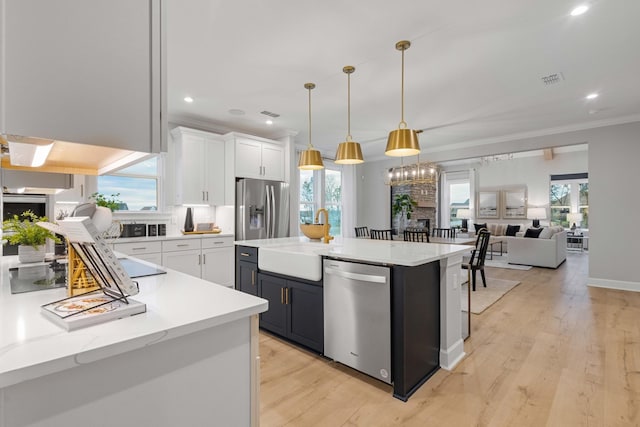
199 167
86 71
257 157
75 194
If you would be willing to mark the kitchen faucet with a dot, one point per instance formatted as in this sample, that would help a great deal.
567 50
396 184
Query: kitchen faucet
326 238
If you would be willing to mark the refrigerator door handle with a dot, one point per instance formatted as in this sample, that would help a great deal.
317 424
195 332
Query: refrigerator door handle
267 206
274 214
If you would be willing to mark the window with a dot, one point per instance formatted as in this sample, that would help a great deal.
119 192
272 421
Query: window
322 189
333 199
458 199
137 185
569 193
307 200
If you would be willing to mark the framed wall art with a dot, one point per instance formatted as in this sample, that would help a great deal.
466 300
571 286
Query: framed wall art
488 204
514 203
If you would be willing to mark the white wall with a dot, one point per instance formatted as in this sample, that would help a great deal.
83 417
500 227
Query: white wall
531 172
614 153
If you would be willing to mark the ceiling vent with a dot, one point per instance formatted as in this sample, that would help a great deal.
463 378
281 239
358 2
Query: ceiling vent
269 113
552 79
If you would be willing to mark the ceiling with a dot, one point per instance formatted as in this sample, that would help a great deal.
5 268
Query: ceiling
473 73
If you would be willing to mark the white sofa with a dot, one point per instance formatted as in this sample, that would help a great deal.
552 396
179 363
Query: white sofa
540 252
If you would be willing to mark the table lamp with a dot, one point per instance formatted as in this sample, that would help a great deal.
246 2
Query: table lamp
536 214
465 215
574 218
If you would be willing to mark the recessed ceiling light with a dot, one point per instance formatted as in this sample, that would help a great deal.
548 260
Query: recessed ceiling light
236 112
188 99
592 96
579 10
269 122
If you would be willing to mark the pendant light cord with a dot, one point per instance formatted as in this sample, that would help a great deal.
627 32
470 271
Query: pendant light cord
310 145
348 106
402 122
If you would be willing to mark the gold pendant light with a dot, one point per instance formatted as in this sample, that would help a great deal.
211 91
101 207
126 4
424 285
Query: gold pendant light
349 152
402 141
310 159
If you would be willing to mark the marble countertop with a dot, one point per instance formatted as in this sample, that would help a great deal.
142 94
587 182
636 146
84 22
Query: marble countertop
177 304
389 252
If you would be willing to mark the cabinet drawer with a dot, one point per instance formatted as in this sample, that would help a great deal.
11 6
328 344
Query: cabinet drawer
216 242
180 245
136 248
247 253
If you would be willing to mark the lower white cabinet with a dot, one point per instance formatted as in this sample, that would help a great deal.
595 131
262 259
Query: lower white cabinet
147 251
183 261
211 259
218 261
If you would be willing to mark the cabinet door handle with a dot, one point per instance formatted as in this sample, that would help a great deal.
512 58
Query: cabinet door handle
218 243
199 259
286 296
244 254
204 258
138 249
253 277
203 196
182 245
207 196
81 190
282 296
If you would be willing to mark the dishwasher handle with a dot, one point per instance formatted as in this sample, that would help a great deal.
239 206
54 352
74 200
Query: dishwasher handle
356 276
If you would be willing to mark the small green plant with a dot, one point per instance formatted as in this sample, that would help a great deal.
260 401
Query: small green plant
23 230
403 204
113 202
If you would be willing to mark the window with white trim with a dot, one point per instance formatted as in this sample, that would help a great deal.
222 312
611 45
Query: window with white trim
569 194
137 186
322 189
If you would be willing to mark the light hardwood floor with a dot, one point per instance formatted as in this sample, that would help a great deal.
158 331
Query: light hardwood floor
552 352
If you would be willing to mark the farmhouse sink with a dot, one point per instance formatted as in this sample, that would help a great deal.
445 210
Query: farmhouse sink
296 260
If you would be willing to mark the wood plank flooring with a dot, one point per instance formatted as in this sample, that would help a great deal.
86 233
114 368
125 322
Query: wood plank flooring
552 352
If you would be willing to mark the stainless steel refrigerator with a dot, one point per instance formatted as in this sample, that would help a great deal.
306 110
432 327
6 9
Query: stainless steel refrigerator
262 209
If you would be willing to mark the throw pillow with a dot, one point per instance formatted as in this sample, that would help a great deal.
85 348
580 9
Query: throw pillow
512 230
546 233
480 226
533 232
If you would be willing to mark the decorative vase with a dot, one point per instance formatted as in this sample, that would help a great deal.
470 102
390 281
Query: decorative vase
188 221
28 254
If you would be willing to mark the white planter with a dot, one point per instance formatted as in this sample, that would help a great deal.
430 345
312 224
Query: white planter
30 254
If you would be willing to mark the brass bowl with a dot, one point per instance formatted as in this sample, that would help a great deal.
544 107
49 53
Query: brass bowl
313 231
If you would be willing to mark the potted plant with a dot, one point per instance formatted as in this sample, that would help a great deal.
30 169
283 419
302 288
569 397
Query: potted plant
403 205
23 231
112 202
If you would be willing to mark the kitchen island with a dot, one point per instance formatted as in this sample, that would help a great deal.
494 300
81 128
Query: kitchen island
190 359
420 273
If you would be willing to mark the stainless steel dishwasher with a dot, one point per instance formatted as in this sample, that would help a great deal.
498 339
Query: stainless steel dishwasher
357 316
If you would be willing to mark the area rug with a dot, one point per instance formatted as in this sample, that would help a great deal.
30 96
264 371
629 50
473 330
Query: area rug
484 298
501 262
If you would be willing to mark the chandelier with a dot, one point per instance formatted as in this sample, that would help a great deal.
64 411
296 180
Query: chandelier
414 174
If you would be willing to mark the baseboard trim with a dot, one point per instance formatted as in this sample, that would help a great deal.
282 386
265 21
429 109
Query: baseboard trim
614 284
450 357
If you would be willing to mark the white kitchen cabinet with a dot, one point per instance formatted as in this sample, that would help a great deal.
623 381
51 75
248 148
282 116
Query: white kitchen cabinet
218 260
75 194
258 158
147 251
187 262
67 75
199 167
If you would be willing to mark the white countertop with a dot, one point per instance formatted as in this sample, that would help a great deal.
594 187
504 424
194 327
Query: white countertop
177 304
368 250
